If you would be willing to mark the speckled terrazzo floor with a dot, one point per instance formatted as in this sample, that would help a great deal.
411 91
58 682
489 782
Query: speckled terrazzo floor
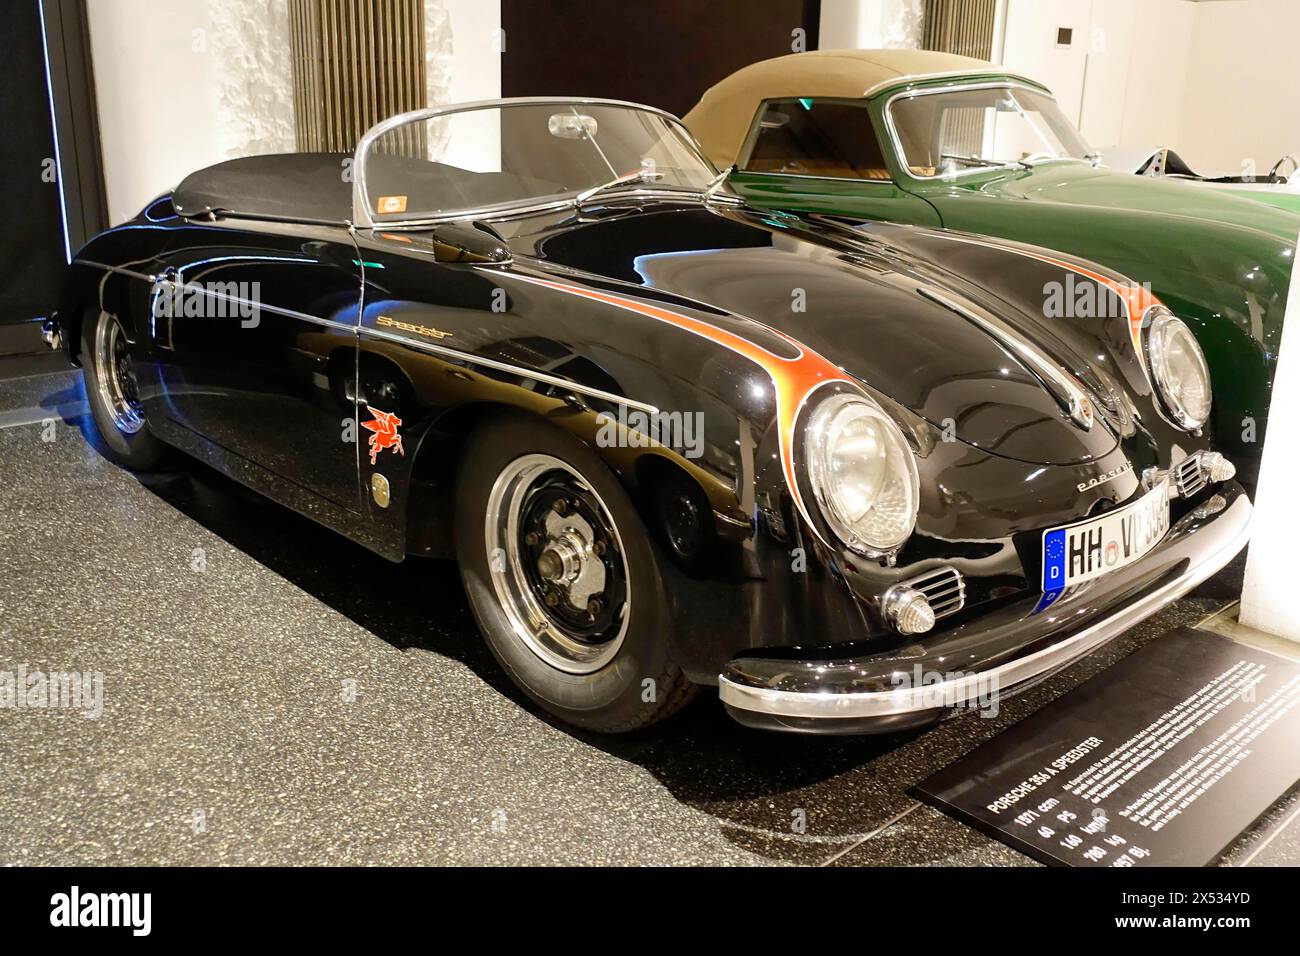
227 735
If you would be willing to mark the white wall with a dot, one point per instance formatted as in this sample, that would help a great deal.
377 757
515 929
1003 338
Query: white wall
1267 603
1159 63
183 84
870 24
1109 46
1241 96
476 49
1029 46
1215 80
155 97
1119 86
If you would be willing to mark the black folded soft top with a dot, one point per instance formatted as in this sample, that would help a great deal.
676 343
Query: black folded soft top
312 188
301 187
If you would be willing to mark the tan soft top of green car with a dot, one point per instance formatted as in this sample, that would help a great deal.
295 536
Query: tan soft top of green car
721 119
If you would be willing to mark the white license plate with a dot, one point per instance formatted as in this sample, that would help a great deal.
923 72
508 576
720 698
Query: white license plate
1088 549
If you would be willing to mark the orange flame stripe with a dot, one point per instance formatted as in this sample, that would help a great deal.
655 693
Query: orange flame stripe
793 379
1135 298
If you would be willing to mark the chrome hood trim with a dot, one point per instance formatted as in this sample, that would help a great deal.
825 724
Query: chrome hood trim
1063 386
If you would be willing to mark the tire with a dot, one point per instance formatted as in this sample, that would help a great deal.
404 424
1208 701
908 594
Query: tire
114 403
516 464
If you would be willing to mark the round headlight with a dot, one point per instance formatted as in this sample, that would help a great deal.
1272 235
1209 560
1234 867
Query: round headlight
1178 367
863 473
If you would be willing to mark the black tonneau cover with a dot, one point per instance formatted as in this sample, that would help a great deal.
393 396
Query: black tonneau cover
302 187
309 187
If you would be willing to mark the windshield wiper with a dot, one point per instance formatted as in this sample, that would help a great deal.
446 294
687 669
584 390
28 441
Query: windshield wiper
638 175
717 182
709 191
981 161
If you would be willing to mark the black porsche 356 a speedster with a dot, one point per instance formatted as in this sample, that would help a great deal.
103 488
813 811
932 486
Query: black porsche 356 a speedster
852 475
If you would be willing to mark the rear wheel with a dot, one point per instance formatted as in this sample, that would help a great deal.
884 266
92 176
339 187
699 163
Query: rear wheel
114 395
562 578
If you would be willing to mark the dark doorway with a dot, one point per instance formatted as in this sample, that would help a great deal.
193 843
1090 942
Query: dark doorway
53 201
31 245
664 53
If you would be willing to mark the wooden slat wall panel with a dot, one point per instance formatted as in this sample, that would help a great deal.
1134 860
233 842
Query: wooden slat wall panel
960 26
964 27
355 62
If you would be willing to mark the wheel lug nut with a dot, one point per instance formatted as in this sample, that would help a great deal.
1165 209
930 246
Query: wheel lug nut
552 599
594 606
561 507
532 539
598 548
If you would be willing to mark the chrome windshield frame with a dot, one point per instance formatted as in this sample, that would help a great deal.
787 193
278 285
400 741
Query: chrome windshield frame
900 154
361 200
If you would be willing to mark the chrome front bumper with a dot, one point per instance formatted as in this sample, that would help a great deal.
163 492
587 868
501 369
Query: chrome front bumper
821 695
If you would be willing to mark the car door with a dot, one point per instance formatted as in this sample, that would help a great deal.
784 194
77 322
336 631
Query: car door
823 156
254 335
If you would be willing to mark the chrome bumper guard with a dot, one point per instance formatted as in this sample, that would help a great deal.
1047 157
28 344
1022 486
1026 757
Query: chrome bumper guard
51 334
833 711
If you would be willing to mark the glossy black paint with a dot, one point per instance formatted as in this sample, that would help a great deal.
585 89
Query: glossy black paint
356 320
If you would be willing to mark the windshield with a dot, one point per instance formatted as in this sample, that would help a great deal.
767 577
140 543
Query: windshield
523 154
948 133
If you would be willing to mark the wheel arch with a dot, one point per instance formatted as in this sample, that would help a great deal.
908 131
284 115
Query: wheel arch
89 291
431 500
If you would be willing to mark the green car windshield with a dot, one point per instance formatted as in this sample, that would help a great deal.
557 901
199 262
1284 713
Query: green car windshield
959 131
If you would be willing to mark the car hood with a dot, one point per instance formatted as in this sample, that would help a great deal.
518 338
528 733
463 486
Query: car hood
859 306
1076 184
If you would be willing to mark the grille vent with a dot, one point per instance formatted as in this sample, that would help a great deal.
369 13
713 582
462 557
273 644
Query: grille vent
944 588
1188 475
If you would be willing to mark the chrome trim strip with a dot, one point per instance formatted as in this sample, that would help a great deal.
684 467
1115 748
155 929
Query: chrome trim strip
193 287
118 269
905 168
278 310
831 705
1072 396
956 74
361 194
517 370
836 179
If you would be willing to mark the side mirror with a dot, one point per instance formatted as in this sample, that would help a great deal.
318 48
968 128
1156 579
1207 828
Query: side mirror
469 244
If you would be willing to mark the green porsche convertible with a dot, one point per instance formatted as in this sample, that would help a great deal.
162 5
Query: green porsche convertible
948 141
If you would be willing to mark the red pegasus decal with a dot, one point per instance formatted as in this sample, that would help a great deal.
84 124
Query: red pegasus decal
384 433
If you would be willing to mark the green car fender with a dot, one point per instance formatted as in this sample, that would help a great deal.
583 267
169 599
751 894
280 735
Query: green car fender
1229 283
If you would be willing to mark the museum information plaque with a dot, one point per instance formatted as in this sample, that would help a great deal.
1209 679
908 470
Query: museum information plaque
1162 760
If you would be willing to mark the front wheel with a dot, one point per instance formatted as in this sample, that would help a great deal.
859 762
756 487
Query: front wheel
562 578
114 396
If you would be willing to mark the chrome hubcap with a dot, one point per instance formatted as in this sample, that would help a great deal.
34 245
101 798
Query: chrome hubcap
557 564
116 379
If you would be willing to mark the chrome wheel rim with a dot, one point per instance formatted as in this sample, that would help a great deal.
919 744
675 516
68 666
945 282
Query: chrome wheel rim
115 377
557 564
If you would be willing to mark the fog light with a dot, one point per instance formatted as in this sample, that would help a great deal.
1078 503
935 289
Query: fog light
907 610
1217 468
